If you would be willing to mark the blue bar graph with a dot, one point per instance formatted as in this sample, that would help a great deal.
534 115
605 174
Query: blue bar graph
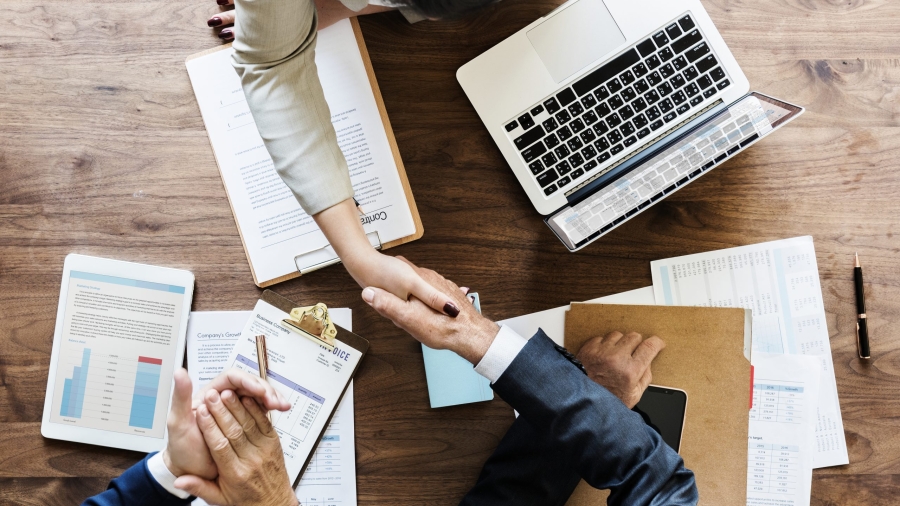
73 388
146 386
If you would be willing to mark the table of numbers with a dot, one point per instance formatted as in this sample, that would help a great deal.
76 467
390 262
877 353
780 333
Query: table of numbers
320 501
773 468
777 403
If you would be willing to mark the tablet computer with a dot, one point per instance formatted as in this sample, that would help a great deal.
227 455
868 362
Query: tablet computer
120 333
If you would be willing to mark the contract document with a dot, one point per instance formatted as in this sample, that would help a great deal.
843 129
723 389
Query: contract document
779 282
330 477
280 239
781 442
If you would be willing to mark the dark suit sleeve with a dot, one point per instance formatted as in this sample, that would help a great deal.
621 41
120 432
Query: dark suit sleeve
526 469
603 442
136 487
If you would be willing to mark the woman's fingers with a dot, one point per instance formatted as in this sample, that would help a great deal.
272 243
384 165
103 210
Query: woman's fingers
434 298
222 19
225 2
423 288
227 35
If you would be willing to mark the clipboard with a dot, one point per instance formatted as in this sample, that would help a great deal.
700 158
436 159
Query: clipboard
344 336
707 355
319 257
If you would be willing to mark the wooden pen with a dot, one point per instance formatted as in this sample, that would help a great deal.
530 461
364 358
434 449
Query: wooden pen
262 357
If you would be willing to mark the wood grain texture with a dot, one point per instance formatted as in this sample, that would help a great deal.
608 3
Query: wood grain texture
103 152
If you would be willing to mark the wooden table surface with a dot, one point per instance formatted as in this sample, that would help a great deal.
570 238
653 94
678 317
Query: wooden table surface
103 152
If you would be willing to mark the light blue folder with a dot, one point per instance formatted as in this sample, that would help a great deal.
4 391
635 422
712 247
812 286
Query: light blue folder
451 379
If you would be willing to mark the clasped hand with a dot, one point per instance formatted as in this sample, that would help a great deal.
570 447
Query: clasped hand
620 363
221 444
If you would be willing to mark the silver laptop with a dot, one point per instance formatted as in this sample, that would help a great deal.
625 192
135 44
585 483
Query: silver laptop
604 107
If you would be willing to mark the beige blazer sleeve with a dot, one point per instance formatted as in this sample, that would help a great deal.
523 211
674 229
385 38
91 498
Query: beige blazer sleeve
275 59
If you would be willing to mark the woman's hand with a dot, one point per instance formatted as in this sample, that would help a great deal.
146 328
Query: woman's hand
399 277
328 13
341 226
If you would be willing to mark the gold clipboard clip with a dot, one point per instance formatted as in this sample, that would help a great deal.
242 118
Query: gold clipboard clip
313 323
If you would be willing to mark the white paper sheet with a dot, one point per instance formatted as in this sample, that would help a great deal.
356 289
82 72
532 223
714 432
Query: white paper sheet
273 226
553 321
782 430
330 478
779 281
210 338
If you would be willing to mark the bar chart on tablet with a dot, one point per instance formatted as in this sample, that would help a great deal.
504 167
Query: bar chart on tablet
111 389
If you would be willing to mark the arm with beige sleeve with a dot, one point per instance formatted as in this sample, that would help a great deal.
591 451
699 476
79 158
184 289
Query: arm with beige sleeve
274 55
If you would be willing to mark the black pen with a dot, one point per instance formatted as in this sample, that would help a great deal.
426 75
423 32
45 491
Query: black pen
862 330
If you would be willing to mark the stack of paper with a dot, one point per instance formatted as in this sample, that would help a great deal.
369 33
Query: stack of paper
331 474
779 282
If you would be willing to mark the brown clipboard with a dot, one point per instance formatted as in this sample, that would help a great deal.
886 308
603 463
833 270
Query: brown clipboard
392 141
704 356
344 336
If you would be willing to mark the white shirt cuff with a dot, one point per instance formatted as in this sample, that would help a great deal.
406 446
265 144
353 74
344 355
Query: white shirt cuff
164 477
502 352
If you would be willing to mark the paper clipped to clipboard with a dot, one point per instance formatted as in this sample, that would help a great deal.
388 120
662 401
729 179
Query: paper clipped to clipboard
281 241
312 377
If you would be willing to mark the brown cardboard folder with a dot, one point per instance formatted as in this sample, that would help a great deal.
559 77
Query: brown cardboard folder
704 356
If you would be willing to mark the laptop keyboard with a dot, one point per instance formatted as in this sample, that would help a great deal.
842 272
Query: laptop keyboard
625 102
664 174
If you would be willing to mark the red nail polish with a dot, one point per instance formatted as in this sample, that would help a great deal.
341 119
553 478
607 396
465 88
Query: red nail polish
451 309
222 2
226 34
216 21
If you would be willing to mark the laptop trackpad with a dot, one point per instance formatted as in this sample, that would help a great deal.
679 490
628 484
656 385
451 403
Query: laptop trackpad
575 38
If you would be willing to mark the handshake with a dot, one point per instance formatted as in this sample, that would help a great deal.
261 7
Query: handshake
223 449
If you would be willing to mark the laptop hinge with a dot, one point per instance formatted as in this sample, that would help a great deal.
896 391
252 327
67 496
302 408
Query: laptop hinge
673 135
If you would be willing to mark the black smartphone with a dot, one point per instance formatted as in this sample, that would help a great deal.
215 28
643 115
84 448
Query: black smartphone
663 408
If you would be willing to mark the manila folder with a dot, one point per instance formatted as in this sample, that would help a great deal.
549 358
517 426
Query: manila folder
704 356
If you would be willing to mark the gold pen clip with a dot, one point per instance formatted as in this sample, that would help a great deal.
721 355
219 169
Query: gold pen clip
313 323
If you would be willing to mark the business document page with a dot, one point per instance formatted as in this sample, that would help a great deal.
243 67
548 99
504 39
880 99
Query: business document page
330 477
779 282
308 375
117 353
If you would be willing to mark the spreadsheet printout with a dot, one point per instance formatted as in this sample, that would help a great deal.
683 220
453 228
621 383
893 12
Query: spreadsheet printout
779 282
781 440
330 477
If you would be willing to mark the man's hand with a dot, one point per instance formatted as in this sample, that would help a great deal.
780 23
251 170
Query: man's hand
186 451
245 385
621 363
247 452
469 335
